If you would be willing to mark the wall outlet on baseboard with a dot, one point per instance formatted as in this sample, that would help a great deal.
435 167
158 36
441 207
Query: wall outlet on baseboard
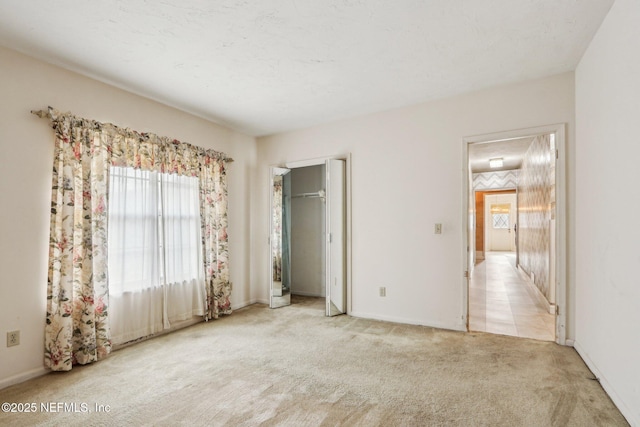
383 291
13 338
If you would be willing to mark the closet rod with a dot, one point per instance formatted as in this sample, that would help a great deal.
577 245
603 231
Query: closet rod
320 194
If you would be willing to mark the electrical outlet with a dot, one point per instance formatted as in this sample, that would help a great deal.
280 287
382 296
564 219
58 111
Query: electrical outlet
437 229
13 338
383 291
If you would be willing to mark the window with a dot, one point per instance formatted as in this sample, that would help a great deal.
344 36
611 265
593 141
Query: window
154 229
500 215
154 250
500 220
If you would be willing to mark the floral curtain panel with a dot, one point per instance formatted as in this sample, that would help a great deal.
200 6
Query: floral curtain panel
77 329
213 212
77 290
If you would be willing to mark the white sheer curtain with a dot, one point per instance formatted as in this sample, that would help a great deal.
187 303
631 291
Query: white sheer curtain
156 273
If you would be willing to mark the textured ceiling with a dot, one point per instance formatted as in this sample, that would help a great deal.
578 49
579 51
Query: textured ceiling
274 65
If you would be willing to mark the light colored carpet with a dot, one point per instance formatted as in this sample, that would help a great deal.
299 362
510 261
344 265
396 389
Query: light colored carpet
294 367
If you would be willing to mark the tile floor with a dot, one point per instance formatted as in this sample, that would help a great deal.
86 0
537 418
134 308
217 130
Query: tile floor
503 301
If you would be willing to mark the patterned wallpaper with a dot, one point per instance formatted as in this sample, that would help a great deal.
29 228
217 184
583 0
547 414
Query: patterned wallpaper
495 180
536 202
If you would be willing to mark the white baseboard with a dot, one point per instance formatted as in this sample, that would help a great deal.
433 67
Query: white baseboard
537 293
16 379
239 305
606 385
407 321
307 294
569 343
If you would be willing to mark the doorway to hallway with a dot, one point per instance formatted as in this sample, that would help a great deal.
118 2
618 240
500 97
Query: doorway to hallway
515 256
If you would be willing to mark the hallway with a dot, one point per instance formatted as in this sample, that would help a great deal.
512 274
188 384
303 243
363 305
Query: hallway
503 301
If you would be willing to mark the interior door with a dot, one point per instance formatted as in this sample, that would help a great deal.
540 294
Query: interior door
336 237
500 216
280 238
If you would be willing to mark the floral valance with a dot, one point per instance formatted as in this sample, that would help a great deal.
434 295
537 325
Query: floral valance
140 150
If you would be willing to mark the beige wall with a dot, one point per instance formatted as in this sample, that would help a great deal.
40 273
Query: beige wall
407 173
26 150
607 206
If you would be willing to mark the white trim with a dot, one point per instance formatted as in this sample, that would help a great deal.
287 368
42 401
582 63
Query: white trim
314 162
306 294
349 252
606 385
244 304
410 321
561 213
561 235
175 326
22 377
536 293
269 219
514 134
468 225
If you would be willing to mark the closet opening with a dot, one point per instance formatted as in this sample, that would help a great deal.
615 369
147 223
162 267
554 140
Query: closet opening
308 235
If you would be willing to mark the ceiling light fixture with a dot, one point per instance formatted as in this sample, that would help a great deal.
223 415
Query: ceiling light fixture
495 163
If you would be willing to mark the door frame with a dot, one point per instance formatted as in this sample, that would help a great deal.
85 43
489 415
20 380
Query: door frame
561 216
348 252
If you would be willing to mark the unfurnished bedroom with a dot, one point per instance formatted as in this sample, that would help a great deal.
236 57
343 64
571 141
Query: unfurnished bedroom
335 213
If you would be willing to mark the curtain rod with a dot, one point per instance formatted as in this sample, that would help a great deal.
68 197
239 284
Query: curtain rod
40 113
47 114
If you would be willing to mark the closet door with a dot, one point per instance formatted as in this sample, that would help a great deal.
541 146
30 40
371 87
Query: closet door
336 237
280 238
